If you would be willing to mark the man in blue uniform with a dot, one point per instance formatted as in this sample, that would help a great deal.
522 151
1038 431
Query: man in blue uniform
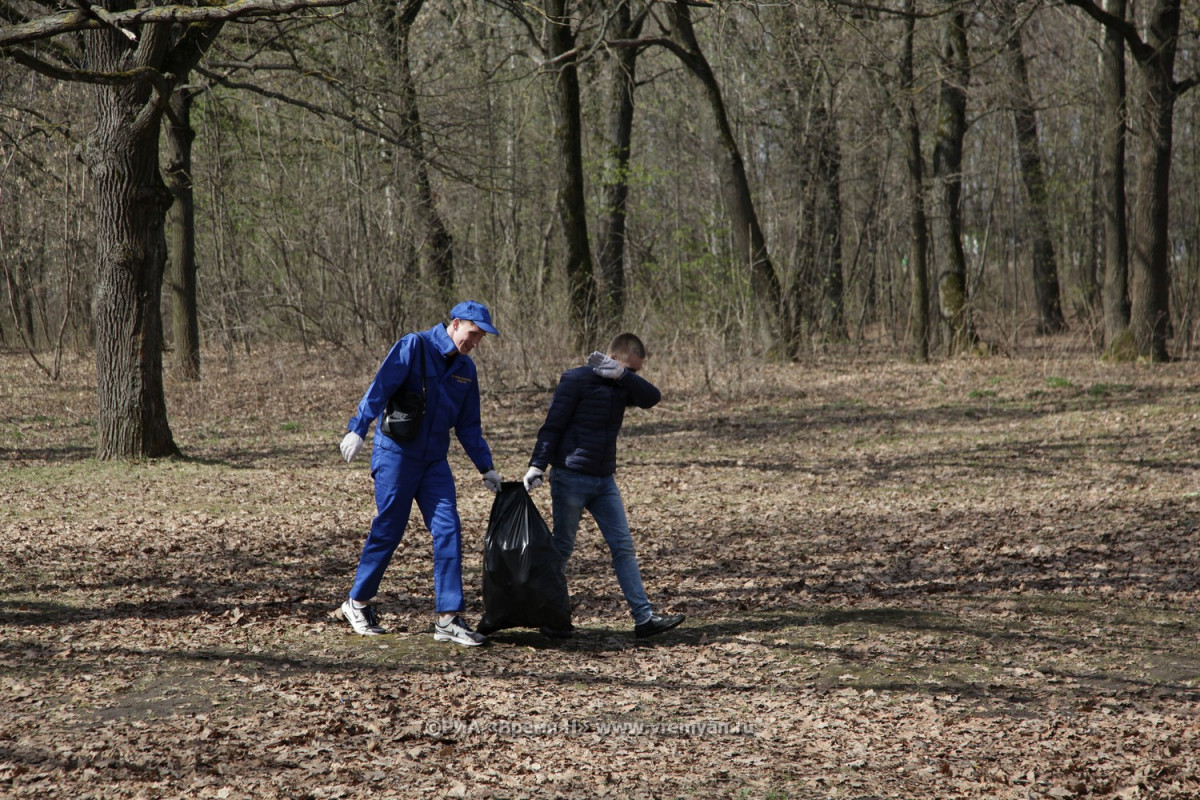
579 438
435 363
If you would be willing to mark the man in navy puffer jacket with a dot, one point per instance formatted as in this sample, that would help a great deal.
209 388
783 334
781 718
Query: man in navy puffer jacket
579 439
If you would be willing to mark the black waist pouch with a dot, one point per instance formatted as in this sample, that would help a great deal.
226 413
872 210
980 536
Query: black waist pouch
402 419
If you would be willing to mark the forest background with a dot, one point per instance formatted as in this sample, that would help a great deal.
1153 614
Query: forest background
747 180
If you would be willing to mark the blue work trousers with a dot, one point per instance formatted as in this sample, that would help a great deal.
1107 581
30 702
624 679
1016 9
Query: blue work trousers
570 493
399 481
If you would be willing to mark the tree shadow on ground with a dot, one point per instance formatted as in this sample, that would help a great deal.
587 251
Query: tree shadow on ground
65 454
525 654
769 423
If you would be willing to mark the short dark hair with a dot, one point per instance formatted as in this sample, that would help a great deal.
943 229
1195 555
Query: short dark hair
626 344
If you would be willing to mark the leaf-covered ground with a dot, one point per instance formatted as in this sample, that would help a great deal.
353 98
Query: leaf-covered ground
971 579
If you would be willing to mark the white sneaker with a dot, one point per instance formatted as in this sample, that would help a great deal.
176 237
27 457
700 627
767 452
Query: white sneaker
364 620
458 632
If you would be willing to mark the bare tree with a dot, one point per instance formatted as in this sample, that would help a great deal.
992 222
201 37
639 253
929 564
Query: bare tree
563 68
135 57
827 219
919 332
436 248
1150 279
625 26
948 170
1111 190
1033 175
749 241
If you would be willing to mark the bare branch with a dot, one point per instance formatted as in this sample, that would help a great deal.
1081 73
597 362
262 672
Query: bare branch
380 130
104 15
70 21
1133 40
1187 84
81 75
147 116
561 57
1142 51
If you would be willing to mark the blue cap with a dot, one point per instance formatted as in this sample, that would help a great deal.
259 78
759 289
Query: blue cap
475 312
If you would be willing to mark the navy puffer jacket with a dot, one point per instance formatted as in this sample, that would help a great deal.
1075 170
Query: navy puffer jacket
585 417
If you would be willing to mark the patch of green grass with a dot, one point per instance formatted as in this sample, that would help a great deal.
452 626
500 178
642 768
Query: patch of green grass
291 427
1099 390
776 794
66 473
1058 383
771 794
980 394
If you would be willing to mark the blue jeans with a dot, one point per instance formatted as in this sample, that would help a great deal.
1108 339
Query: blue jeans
570 493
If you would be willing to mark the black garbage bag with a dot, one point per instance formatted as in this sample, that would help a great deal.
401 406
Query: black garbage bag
524 577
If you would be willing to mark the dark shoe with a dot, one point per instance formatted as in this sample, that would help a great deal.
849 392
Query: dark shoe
558 633
657 624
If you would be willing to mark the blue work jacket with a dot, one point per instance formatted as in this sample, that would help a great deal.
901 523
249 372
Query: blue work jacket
584 420
451 398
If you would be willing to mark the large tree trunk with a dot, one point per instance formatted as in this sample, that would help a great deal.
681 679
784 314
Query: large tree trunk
131 250
748 239
1150 266
919 233
572 204
1033 175
1150 320
615 187
181 278
948 170
436 250
1115 292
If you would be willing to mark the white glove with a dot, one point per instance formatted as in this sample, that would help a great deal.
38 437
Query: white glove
605 366
351 444
491 479
533 478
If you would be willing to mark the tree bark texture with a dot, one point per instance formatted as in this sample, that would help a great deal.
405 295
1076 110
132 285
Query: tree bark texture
1149 259
948 169
572 202
1115 292
615 188
181 265
1150 281
919 228
435 252
1033 174
131 250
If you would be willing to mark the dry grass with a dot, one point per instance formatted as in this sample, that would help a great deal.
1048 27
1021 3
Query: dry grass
967 579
